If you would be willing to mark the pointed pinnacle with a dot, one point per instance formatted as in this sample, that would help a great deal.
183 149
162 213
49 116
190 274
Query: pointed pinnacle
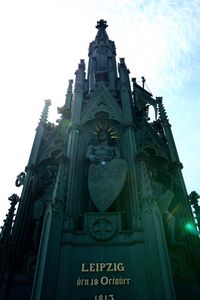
68 98
101 34
45 111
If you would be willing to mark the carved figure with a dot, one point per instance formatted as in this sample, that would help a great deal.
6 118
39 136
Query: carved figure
44 184
103 151
170 221
107 171
170 226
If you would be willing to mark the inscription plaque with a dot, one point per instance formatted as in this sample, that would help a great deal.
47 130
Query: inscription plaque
97 276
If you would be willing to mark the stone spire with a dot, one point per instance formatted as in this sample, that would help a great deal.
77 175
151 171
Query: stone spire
102 61
101 34
8 222
68 100
65 110
80 76
44 115
39 133
168 132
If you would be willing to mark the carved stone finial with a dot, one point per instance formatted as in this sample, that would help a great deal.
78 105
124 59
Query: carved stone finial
20 179
122 60
194 201
65 110
81 64
14 198
133 80
194 196
143 81
101 24
8 222
47 102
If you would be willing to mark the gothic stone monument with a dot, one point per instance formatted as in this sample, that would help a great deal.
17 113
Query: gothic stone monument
103 209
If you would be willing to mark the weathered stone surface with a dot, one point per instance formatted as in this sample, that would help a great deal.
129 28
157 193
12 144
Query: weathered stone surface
105 182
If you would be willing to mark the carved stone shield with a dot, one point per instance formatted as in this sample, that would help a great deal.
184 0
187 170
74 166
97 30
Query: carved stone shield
105 182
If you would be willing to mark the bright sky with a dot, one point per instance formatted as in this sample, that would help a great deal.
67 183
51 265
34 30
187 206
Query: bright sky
42 42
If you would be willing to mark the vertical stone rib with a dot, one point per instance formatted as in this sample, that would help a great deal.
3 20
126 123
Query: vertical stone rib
22 213
185 207
159 271
39 134
74 141
129 136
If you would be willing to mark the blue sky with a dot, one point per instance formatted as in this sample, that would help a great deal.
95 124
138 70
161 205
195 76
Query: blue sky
43 41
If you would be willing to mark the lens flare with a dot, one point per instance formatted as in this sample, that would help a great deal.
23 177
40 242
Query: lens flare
191 228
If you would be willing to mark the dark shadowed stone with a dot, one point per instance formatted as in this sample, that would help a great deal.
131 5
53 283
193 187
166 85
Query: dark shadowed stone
105 182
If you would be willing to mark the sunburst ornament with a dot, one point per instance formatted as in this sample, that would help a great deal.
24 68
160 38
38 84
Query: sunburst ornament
100 127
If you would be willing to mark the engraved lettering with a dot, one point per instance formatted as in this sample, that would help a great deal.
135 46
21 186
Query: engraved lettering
104 297
102 267
109 267
82 281
92 267
104 280
83 268
114 281
120 267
